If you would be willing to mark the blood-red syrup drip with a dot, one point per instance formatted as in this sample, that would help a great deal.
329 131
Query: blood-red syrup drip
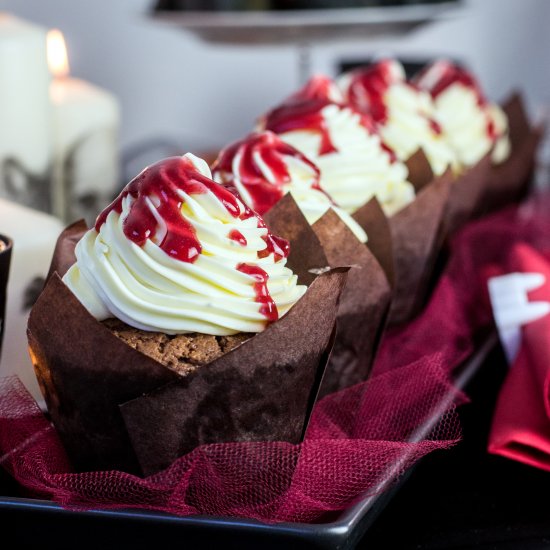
491 129
303 111
237 236
302 114
391 153
279 247
159 187
435 126
268 308
366 94
259 163
368 88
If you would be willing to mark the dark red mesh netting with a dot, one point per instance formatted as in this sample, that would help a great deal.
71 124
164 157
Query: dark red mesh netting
355 439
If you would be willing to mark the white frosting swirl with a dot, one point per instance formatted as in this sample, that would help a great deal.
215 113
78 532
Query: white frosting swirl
359 169
465 125
150 290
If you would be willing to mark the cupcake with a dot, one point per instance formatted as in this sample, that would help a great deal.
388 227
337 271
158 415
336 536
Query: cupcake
355 164
179 290
403 113
263 169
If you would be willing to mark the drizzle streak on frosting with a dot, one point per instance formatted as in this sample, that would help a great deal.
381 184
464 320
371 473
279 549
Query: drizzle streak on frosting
268 307
160 186
449 74
270 150
303 111
368 87
237 236
435 126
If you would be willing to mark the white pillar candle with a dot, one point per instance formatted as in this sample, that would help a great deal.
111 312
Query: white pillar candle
85 127
25 123
34 236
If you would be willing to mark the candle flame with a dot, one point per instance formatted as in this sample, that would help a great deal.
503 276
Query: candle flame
58 61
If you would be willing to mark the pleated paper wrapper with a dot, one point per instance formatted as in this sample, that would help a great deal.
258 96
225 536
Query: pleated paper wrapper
116 408
365 299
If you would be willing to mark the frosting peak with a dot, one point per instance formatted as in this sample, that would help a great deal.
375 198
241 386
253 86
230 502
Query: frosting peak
355 165
442 74
263 168
176 252
365 88
303 111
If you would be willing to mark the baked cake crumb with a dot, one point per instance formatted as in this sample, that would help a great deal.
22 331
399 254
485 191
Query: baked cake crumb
182 352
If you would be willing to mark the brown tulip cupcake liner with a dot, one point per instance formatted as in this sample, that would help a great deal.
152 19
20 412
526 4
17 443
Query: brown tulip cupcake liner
487 187
365 298
509 182
117 408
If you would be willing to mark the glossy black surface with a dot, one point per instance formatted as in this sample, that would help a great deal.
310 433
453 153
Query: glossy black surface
465 498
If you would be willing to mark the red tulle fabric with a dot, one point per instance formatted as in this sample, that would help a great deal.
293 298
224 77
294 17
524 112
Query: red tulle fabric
355 436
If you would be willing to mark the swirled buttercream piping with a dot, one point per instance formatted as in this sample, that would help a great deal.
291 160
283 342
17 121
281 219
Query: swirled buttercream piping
355 165
176 252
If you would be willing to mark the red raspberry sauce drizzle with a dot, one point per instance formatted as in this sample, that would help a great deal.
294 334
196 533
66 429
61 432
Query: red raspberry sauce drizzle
268 308
237 236
367 89
271 150
161 183
302 111
435 126
449 74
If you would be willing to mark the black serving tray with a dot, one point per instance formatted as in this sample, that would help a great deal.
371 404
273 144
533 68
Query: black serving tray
29 520
466 498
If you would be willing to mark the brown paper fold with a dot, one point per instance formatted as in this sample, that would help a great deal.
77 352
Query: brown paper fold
376 225
86 374
363 304
417 233
306 253
508 182
466 194
420 171
261 391
63 255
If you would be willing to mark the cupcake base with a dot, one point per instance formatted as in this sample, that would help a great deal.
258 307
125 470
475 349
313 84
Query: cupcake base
183 353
